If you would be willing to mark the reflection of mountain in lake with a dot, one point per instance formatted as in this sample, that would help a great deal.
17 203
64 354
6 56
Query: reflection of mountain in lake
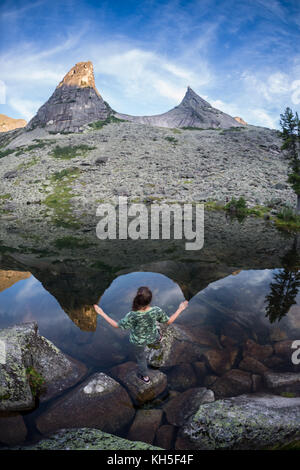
78 278
8 278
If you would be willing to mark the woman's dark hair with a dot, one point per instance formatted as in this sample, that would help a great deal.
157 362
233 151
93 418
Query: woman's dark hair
143 297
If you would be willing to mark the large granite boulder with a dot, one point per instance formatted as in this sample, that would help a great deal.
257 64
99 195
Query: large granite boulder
86 439
12 428
257 421
98 402
233 383
258 351
140 391
220 360
164 436
145 425
250 364
181 345
285 382
185 404
33 366
182 377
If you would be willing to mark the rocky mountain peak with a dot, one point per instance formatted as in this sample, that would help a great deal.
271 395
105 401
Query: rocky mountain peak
192 100
193 111
80 76
8 124
75 102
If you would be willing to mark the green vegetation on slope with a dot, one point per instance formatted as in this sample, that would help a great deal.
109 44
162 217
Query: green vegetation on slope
59 199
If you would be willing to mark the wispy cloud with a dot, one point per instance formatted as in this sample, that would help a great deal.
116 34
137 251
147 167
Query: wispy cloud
245 60
13 13
26 108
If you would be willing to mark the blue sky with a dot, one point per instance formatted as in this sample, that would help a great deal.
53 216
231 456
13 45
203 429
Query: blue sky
242 56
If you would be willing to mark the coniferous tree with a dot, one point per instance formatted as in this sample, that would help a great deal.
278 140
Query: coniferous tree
285 285
290 126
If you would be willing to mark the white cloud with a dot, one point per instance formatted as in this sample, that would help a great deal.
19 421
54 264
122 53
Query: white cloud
138 75
167 89
26 108
228 108
26 291
278 83
17 12
146 76
262 118
295 87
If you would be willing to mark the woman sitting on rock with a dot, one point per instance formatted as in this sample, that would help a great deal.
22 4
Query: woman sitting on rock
141 321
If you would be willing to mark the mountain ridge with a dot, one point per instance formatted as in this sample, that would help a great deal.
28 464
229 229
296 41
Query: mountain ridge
193 111
76 102
8 123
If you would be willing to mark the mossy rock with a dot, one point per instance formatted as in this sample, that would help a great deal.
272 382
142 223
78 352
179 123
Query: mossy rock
87 439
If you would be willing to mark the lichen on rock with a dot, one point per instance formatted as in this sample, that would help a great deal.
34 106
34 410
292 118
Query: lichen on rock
86 439
257 421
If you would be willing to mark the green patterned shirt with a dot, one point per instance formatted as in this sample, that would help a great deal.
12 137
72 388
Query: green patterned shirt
142 325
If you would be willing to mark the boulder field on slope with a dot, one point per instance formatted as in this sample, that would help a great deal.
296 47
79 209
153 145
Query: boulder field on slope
116 160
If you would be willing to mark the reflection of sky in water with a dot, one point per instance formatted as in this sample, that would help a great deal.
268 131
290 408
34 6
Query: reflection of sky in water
240 297
248 288
243 297
28 300
117 299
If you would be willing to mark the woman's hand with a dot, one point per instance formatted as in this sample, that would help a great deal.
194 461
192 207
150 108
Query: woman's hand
183 305
106 317
98 309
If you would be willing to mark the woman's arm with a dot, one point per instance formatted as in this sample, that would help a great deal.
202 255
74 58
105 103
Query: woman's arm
181 307
106 317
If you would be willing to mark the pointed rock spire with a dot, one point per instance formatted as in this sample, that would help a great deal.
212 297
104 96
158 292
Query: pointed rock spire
193 111
80 76
75 102
192 100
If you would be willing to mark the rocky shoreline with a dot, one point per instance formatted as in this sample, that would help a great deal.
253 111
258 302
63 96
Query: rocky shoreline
205 382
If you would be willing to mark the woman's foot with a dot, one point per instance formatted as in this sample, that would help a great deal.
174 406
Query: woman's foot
144 378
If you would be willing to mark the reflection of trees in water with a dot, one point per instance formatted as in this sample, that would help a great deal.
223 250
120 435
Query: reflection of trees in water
285 285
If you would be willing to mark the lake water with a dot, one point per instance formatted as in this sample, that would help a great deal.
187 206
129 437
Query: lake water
221 288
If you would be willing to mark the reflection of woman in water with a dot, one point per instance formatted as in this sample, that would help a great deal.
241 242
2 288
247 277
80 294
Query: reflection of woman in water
141 321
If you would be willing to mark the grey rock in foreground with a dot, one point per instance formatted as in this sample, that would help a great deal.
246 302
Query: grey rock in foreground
86 439
184 405
98 402
286 382
140 391
12 429
257 421
179 345
27 350
145 425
